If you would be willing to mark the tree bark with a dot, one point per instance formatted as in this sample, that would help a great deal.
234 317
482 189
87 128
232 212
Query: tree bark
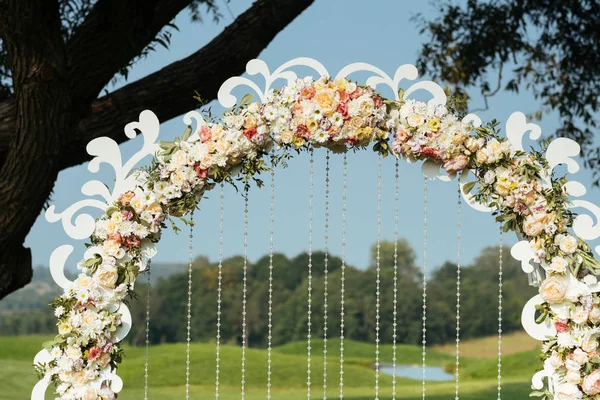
41 132
42 104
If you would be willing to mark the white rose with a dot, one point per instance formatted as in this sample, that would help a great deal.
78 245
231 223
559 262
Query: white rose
113 248
567 391
179 158
138 204
558 264
580 316
64 328
554 361
489 177
580 356
590 343
80 379
74 352
415 120
568 244
83 281
595 314
106 275
573 377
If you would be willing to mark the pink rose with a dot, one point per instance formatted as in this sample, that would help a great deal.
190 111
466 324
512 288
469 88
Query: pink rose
132 241
307 93
116 237
302 131
457 163
127 215
204 134
357 93
431 153
377 101
200 173
344 96
561 326
94 353
343 109
591 383
297 109
126 198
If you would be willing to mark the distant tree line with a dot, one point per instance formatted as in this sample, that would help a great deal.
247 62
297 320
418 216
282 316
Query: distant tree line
479 300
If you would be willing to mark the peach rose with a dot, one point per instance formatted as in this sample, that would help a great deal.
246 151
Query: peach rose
591 383
457 163
554 289
326 100
126 198
534 224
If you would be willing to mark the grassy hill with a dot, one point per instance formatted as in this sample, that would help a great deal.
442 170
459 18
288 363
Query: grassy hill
167 371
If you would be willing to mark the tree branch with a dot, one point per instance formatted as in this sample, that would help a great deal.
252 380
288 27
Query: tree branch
114 33
205 70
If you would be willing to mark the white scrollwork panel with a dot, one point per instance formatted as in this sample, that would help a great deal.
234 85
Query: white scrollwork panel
584 225
521 251
516 128
259 67
58 260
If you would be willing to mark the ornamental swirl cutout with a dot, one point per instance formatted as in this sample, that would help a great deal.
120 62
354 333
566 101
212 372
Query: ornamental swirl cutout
521 189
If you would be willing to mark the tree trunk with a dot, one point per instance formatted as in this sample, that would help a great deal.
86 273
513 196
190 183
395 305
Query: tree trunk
31 32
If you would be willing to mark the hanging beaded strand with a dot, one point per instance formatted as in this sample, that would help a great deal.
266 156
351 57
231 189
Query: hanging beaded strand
378 273
244 292
500 262
395 301
219 290
424 329
458 243
343 277
325 277
147 343
270 312
189 310
310 244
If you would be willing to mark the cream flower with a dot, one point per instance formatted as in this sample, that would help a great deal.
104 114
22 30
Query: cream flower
580 316
325 99
83 281
415 120
573 377
558 265
106 276
80 379
567 391
534 224
113 248
595 314
590 343
138 204
73 352
568 244
64 328
554 289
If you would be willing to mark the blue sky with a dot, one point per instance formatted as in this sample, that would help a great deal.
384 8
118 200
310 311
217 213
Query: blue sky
335 32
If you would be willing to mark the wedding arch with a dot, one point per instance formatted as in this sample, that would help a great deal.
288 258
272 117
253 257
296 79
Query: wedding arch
495 175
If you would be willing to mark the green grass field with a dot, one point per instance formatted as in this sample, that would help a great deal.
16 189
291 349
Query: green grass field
289 365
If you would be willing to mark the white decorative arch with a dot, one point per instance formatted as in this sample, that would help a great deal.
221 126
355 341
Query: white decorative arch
110 265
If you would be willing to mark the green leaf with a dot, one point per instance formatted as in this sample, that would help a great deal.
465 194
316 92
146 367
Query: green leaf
187 133
247 99
468 187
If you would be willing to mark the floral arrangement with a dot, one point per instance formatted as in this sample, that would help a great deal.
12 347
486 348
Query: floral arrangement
339 115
